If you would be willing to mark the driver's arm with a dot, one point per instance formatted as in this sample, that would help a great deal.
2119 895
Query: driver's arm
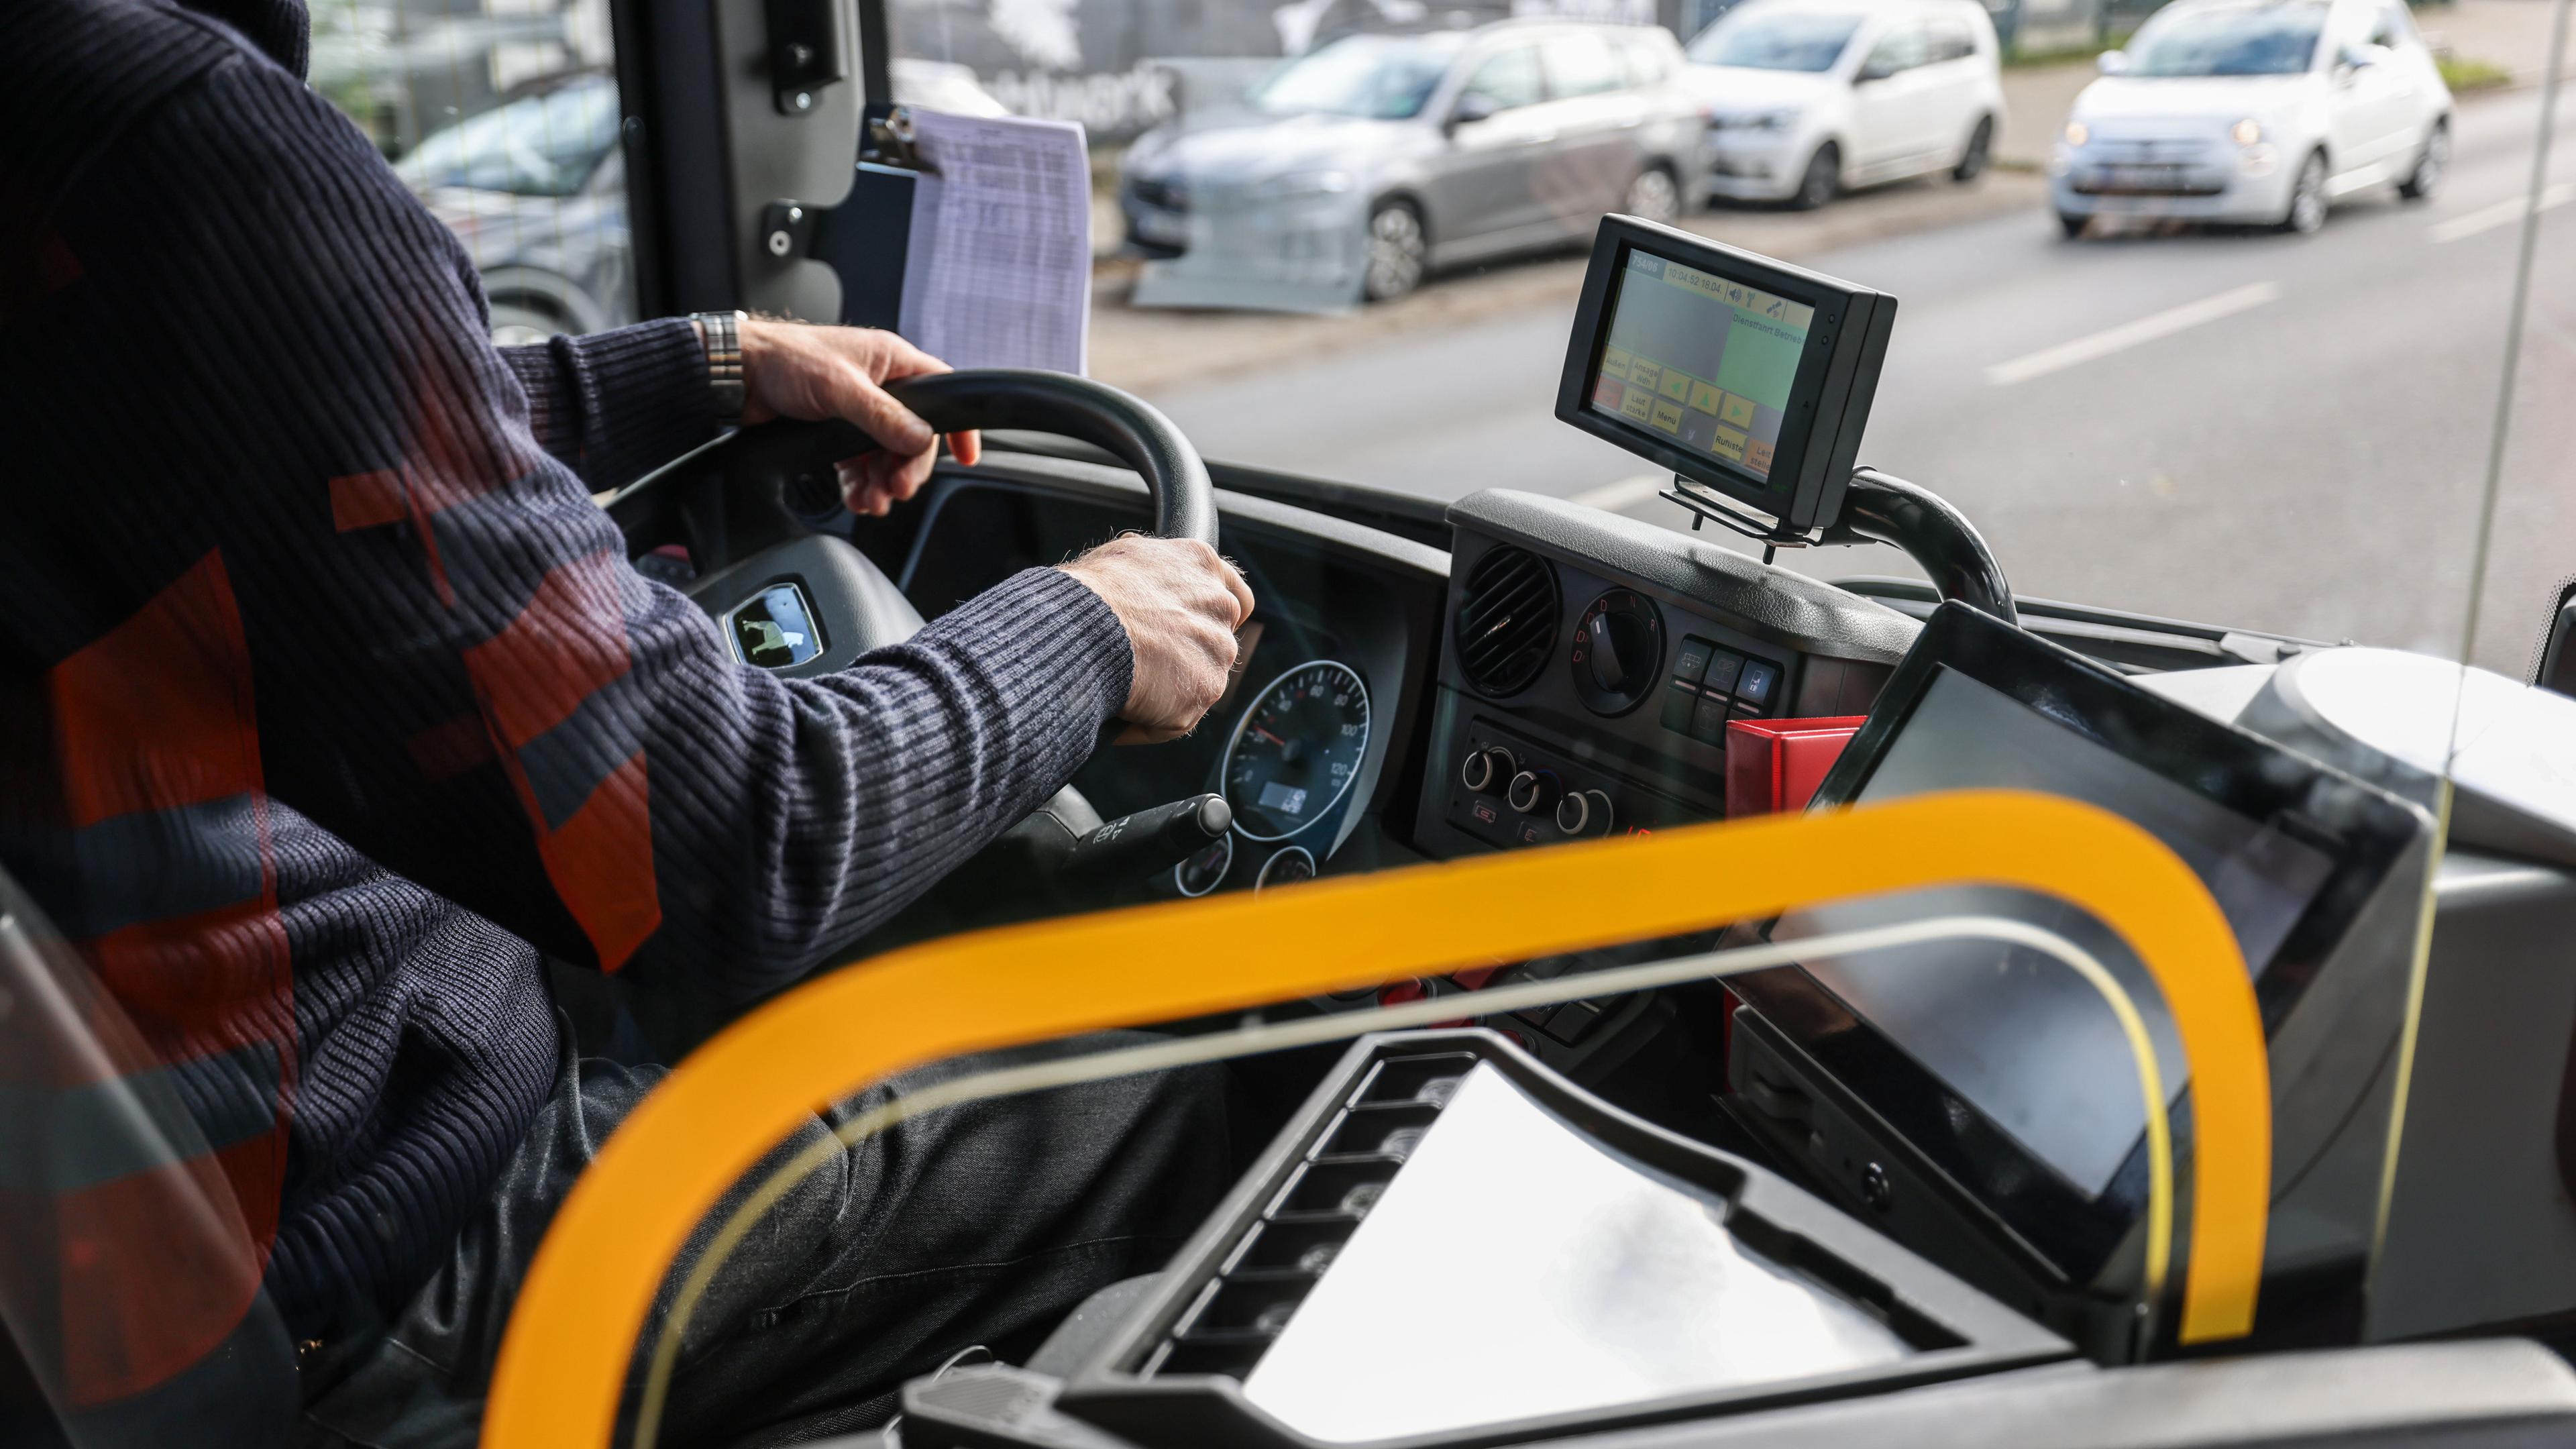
614 405
456 669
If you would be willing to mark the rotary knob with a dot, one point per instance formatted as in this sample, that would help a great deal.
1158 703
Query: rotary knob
1533 792
1487 768
1583 812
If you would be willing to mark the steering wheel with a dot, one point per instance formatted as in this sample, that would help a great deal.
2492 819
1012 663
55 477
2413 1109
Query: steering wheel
753 508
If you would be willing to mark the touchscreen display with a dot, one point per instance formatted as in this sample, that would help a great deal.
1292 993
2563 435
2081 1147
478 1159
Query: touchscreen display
2015 1033
1704 361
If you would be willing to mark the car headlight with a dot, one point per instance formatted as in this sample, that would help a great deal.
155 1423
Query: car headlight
2077 133
2246 132
1308 183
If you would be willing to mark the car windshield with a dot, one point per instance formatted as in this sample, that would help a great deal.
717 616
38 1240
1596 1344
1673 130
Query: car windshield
1776 39
1383 77
540 145
2269 39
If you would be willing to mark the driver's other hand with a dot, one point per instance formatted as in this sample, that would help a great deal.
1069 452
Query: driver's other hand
1182 604
795 370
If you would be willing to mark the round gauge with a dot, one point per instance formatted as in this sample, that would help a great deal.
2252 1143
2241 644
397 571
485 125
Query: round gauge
1618 652
1204 871
1296 750
1286 868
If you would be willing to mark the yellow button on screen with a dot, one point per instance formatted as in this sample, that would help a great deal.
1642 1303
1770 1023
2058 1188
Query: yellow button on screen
1643 373
1738 411
1668 415
1614 363
1676 385
1704 397
1728 444
1637 403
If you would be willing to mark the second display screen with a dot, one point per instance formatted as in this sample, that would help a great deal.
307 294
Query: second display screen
1706 363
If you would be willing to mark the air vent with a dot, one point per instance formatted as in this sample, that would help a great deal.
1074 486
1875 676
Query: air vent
1506 621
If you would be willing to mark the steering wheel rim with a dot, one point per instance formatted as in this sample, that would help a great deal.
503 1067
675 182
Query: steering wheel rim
1118 422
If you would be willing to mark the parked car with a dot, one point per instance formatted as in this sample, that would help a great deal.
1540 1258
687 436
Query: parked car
536 189
1450 145
1807 97
2256 111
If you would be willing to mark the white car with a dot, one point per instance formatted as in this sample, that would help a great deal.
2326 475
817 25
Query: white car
2255 111
1807 97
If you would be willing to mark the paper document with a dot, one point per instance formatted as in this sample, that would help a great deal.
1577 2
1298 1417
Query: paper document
998 272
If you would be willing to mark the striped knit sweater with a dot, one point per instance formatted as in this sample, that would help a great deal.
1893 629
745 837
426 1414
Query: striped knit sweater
327 697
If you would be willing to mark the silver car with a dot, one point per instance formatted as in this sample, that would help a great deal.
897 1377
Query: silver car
1437 148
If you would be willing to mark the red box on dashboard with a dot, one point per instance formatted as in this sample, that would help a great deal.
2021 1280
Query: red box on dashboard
1774 765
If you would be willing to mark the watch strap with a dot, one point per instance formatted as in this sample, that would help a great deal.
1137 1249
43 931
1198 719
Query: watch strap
723 334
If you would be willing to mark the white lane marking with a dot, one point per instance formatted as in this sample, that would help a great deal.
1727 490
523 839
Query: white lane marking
2130 334
1624 494
2503 213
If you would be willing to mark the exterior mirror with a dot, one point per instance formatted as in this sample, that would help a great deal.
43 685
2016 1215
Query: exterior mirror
1873 69
2112 62
1471 108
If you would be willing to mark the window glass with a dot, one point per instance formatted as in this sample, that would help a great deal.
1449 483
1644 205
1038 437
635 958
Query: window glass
1509 79
505 122
1951 40
1900 49
1648 61
1580 64
1774 38
1379 76
2222 40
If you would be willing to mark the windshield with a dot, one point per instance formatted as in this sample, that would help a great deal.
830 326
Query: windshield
540 145
2271 39
1381 77
1769 38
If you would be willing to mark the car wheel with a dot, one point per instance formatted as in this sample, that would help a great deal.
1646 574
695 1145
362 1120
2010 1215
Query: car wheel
1654 196
1823 177
2072 226
1981 148
516 325
2307 210
1397 250
2430 163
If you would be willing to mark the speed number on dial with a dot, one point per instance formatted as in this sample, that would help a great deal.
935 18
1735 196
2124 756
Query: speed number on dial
1296 750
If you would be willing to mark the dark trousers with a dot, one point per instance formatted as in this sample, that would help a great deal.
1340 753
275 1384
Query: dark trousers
982 1223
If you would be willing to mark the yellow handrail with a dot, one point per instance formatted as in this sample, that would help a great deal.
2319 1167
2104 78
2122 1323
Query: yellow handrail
564 1359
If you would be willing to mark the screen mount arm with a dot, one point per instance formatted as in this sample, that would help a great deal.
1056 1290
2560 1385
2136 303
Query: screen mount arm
1880 508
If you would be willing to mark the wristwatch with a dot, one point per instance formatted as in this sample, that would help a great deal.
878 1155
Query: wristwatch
723 333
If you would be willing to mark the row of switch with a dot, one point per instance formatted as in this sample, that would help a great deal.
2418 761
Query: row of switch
1711 685
1567 1024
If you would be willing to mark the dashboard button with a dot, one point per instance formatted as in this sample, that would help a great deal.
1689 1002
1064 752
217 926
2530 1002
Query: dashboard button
1573 1022
1678 699
1583 812
1724 666
1708 720
1754 686
1691 660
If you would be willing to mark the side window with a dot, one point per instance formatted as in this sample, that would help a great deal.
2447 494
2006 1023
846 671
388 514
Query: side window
1900 49
1951 39
1508 79
1648 63
1582 64
2390 27
509 135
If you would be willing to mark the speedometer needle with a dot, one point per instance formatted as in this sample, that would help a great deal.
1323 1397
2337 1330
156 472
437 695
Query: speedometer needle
1267 735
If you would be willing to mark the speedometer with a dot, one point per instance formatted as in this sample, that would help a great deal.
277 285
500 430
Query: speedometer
1296 750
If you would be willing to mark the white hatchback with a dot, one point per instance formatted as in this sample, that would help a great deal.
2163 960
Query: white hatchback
1806 97
2255 111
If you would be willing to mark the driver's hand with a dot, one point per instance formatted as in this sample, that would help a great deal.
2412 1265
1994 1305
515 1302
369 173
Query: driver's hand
794 370
1182 604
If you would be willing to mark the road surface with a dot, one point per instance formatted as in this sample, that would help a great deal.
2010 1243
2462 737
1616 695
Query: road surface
2266 431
